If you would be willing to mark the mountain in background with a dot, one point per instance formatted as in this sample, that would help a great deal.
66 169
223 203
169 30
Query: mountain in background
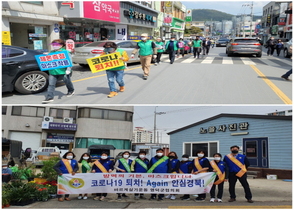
214 15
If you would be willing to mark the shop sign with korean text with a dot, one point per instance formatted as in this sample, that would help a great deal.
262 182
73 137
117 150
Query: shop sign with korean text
54 60
105 62
102 10
135 183
222 128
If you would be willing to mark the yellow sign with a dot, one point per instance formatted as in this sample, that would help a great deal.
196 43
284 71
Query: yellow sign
6 38
105 62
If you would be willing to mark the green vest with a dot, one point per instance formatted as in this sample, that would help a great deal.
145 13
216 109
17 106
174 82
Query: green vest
197 43
59 71
120 67
159 44
175 45
145 48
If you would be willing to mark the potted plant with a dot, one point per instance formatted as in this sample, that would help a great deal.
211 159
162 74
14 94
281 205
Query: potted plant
5 199
20 194
47 170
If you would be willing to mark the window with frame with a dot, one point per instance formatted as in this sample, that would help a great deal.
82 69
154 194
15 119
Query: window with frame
62 113
105 114
33 2
192 148
28 111
4 110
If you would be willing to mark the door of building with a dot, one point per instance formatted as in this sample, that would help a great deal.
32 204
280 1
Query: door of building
256 150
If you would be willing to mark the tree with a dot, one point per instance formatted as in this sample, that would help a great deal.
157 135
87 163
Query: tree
195 30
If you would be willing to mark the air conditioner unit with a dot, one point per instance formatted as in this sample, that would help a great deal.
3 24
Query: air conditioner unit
67 120
48 119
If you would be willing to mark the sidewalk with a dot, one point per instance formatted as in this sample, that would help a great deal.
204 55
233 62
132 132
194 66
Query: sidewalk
266 194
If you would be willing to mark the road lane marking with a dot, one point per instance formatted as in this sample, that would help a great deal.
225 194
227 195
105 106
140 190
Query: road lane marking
189 60
208 60
227 60
282 96
247 61
231 207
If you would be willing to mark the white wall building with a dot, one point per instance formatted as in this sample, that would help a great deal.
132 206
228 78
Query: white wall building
141 135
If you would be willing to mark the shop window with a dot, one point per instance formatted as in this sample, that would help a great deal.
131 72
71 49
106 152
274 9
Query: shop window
192 148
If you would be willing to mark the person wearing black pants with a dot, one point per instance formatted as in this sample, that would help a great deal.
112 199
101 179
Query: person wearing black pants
206 46
238 164
270 46
172 46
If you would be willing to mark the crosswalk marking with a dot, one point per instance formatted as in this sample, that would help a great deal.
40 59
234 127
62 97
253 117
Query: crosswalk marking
208 60
247 61
227 60
189 60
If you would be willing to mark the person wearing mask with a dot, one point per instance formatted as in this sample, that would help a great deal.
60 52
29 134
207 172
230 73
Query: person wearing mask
206 46
85 166
58 45
174 168
200 165
238 164
158 164
123 165
279 46
6 173
172 46
182 45
160 47
146 48
67 165
140 165
117 73
103 165
270 44
185 168
221 169
196 44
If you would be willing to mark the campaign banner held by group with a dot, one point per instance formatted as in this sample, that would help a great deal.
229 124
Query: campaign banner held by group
147 183
54 60
105 62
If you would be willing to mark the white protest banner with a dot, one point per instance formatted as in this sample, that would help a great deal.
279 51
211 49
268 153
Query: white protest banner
135 183
121 32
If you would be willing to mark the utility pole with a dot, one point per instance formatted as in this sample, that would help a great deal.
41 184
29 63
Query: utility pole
243 25
156 113
251 19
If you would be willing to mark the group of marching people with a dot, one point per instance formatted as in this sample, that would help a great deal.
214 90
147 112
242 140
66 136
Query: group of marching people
232 167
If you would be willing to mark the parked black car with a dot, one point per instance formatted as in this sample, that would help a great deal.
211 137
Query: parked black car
21 72
222 42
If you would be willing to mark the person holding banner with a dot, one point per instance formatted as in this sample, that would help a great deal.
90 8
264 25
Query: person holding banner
123 165
104 165
159 164
200 165
174 168
116 73
146 48
140 165
185 168
238 164
85 166
55 74
222 172
67 165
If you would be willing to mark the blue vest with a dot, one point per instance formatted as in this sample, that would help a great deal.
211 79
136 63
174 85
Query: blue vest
221 166
108 164
161 168
184 166
232 166
121 166
73 164
138 168
202 162
174 163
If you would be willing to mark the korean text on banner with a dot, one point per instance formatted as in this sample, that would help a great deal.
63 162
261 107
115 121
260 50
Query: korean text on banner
135 183
54 60
105 62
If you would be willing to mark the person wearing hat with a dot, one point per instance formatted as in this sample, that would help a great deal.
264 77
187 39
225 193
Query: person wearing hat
140 165
185 168
237 164
146 48
159 164
160 47
6 173
172 46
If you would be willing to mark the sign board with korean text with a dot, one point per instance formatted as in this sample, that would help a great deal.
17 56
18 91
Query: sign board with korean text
54 60
146 183
102 10
6 39
70 45
222 128
189 15
59 126
121 32
105 62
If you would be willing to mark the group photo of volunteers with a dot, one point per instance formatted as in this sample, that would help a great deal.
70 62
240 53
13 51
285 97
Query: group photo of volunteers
228 168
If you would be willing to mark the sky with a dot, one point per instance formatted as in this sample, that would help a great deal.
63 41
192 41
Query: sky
179 116
231 7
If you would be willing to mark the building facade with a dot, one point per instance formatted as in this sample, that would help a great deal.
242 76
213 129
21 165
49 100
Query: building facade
141 135
67 127
265 140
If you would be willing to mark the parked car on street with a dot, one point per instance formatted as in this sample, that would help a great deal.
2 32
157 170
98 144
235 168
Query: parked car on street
288 49
20 71
222 42
94 49
245 46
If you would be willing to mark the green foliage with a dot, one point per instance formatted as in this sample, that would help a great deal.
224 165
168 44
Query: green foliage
195 30
47 170
19 192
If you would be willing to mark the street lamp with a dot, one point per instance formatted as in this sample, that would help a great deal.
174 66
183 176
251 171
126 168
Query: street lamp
156 113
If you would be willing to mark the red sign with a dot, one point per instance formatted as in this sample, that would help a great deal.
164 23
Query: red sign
281 23
70 45
102 10
71 4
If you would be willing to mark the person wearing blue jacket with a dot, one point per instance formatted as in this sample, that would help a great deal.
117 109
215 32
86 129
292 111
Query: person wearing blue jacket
123 165
238 165
67 165
159 164
185 168
172 46
140 165
104 165
174 168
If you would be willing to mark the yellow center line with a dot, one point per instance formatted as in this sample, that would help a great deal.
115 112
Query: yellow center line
101 75
282 96
231 207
